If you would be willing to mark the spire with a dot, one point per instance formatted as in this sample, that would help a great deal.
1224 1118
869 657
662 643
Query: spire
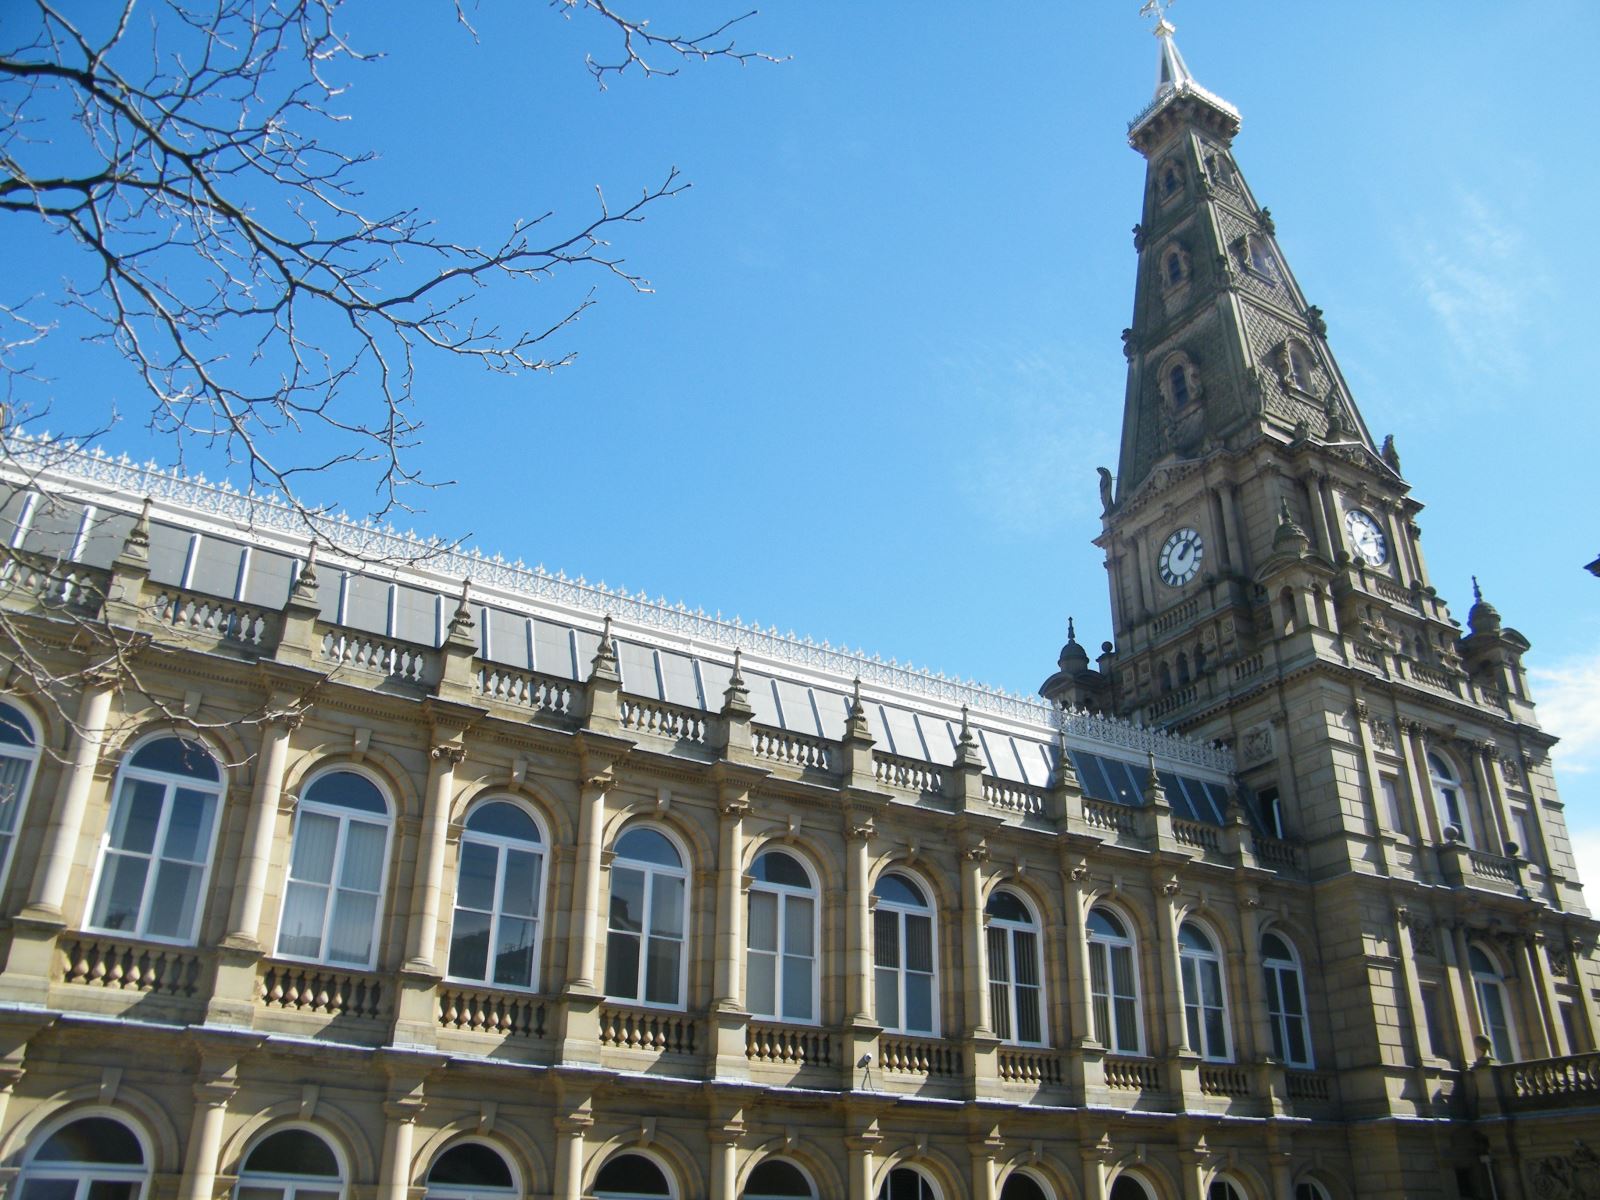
1174 81
1172 73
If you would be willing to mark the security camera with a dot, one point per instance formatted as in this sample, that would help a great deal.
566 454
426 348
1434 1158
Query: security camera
866 1060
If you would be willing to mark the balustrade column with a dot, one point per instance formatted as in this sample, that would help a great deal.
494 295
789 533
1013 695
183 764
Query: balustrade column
399 1137
66 820
858 931
422 939
980 1020
244 917
730 902
205 1139
581 946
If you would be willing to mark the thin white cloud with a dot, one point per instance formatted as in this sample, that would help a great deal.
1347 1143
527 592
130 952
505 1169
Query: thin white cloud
1568 694
1477 272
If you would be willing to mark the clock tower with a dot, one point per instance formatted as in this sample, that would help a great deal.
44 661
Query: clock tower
1269 591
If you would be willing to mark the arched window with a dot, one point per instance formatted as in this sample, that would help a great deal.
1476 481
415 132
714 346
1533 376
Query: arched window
19 755
1130 1187
1171 180
1178 379
1493 1009
904 957
1224 1189
1114 984
1310 1189
1015 993
292 1164
338 863
1286 1001
1261 257
1024 1185
1174 268
778 1179
907 1183
1447 796
1165 674
783 981
1183 669
645 962
632 1177
471 1170
1301 365
96 1157
494 935
155 856
1205 1002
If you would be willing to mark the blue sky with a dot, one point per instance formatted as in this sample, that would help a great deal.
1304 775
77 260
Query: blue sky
880 363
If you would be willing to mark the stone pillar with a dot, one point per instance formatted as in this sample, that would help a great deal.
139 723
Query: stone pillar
1259 1025
725 1159
1415 753
1404 919
858 926
205 1138
49 890
1166 917
983 1156
570 1131
422 936
1080 1001
399 1136
1543 1020
1316 500
1492 806
586 911
255 856
1547 991
1459 977
727 977
1191 1175
1094 1169
861 1149
980 1021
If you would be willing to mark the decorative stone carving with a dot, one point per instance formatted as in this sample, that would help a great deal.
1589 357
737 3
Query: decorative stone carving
1574 1176
1256 744
1560 961
1382 734
1511 772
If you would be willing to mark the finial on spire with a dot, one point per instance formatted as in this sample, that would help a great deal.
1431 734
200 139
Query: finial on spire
1072 634
1477 592
1159 9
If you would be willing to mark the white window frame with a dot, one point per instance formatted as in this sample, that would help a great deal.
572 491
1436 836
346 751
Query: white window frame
502 845
455 1192
783 894
28 755
651 871
1191 961
217 790
1482 983
288 1184
344 815
1276 969
1011 930
1449 782
1107 944
903 912
86 1174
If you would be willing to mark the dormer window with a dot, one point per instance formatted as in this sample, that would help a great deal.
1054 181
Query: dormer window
1174 268
1296 365
1179 381
1169 180
1258 257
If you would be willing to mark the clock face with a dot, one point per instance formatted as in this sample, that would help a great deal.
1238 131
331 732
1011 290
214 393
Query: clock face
1180 557
1366 538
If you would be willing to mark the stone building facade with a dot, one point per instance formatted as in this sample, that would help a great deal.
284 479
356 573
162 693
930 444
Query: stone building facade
381 873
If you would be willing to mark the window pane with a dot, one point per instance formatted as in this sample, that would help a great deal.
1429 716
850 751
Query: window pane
1026 946
666 906
797 988
189 826
112 1189
886 938
138 816
50 1189
303 912
514 954
92 1140
13 775
346 789
121 892
1127 1026
174 901
350 932
762 984
777 867
293 1152
763 921
315 835
519 897
622 966
476 880
627 899
799 926
661 971
363 856
1028 1026
999 964
919 943
631 1174
646 845
471 1164
503 820
888 998
775 1177
919 1003
469 945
